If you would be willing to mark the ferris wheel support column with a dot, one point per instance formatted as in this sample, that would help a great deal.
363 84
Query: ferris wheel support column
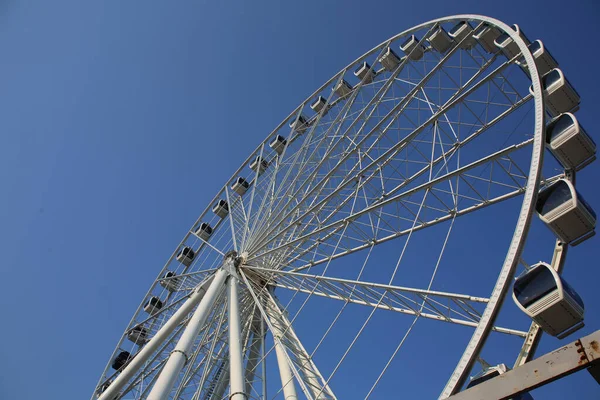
236 358
287 379
163 333
316 384
179 357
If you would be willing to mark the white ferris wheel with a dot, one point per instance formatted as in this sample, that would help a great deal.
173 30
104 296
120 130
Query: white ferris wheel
336 256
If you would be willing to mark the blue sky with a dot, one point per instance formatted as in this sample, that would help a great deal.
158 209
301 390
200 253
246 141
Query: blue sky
111 108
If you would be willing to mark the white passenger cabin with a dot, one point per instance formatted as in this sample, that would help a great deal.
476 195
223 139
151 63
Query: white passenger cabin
204 231
460 31
549 300
560 97
121 359
565 212
412 48
103 387
390 60
569 142
364 72
259 165
439 40
299 125
186 256
508 46
153 305
221 208
170 281
319 104
138 335
342 88
278 144
485 36
240 186
543 59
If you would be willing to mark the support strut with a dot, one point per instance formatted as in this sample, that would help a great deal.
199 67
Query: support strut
179 357
236 358
163 333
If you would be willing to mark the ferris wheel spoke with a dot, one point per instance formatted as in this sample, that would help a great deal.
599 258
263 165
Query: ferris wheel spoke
372 105
397 298
424 169
376 100
357 217
389 154
440 306
320 138
316 160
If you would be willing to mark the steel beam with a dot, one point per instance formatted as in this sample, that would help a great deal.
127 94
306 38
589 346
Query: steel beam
163 333
179 357
236 359
566 360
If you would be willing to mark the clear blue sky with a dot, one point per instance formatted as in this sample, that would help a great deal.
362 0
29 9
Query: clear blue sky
109 108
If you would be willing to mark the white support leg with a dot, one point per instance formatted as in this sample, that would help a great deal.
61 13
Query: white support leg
313 378
179 357
163 333
287 379
236 358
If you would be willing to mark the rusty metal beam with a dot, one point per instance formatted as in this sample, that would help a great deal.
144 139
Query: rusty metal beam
582 353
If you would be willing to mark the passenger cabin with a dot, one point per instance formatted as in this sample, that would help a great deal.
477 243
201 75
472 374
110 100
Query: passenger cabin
364 72
543 59
186 256
121 359
259 165
569 143
240 186
548 299
153 305
508 46
389 60
460 31
485 36
412 48
342 88
138 335
560 97
565 212
319 104
221 208
103 387
492 372
278 144
299 125
169 281
204 231
440 41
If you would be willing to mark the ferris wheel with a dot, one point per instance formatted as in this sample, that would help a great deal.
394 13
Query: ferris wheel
354 233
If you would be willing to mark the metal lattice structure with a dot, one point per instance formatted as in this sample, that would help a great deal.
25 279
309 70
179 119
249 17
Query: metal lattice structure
432 126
